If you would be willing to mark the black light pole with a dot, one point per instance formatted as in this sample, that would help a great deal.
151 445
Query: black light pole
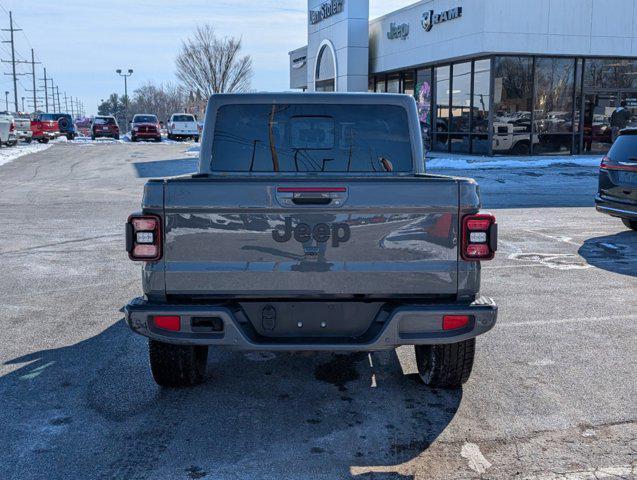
6 100
125 75
23 105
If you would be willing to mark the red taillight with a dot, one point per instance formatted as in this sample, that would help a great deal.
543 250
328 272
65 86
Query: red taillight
12 127
143 238
479 237
454 322
604 163
172 323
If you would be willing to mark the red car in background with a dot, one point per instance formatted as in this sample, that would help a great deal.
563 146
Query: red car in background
45 127
83 126
104 126
145 127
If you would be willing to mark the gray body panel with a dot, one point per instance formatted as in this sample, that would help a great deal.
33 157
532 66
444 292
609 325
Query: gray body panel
285 240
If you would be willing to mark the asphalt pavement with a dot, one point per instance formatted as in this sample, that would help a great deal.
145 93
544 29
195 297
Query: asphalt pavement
552 394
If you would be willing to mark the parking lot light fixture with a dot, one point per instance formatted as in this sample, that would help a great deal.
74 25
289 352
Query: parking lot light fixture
125 75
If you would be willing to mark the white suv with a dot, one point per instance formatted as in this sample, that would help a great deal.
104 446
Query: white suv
183 125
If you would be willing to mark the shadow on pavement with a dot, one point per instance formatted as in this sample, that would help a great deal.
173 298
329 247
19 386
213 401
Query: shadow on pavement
615 253
166 168
92 409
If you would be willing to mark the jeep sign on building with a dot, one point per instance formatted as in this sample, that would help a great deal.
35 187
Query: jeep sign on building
507 77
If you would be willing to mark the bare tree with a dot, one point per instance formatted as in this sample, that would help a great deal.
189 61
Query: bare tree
162 100
207 64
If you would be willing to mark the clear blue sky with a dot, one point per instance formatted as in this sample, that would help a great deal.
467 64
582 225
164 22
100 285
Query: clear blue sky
82 42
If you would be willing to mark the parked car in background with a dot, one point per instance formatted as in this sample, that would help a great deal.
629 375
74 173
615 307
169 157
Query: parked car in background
104 126
45 127
617 195
83 126
182 126
145 126
7 130
66 125
23 126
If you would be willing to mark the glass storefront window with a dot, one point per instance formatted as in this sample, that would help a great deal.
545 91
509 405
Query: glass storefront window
481 96
460 120
423 95
393 83
409 83
442 87
610 73
512 105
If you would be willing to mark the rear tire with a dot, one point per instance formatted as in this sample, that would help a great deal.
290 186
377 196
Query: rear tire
196 139
116 137
632 224
133 138
521 148
28 140
158 139
92 137
446 366
44 140
177 366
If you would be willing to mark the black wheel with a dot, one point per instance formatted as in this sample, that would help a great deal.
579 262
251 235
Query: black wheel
116 137
446 366
28 140
170 137
521 148
44 140
176 366
12 144
92 137
133 138
196 139
70 136
632 224
158 139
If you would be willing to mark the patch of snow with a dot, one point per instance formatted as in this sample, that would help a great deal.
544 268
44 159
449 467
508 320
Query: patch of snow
471 162
8 154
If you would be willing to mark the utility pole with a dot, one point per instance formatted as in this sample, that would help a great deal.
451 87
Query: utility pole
13 62
66 103
57 90
53 96
46 92
72 108
35 93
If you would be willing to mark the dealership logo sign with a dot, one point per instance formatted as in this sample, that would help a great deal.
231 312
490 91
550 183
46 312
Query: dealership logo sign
429 19
326 10
398 31
299 62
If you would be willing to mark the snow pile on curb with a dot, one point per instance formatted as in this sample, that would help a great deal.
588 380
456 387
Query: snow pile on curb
468 162
193 151
8 154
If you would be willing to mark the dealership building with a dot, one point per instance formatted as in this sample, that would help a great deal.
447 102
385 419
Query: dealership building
490 77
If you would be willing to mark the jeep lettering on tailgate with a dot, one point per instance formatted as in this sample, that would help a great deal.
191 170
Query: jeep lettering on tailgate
321 233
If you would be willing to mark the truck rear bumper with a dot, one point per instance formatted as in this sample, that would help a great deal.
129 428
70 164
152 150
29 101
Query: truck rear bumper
227 327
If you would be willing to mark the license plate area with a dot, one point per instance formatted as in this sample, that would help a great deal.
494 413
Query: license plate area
627 178
311 319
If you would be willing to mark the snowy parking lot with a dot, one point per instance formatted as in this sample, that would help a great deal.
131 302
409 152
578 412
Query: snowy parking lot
551 396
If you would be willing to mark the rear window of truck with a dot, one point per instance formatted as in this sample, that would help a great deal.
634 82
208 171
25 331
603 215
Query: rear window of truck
183 118
284 138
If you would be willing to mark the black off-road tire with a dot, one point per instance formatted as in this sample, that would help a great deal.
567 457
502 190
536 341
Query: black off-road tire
177 366
521 148
632 224
446 366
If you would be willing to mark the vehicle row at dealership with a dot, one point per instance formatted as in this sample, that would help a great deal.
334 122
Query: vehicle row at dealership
43 127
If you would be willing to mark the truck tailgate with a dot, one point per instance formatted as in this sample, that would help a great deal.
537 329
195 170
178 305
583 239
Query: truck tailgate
276 238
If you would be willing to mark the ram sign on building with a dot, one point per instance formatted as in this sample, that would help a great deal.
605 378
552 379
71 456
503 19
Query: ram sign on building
489 76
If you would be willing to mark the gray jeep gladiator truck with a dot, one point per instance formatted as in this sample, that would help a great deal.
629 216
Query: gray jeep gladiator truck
311 225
